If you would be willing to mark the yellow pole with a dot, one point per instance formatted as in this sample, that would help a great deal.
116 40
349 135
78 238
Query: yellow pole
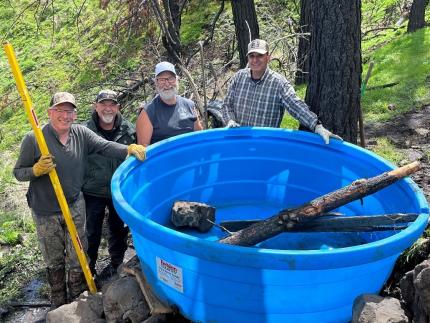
31 115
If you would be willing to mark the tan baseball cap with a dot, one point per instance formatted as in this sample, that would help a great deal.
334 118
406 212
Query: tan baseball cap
63 97
258 46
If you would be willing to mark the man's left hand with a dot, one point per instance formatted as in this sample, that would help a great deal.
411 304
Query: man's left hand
137 151
325 134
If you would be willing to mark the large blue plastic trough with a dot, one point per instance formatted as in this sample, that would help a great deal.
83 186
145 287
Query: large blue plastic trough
248 173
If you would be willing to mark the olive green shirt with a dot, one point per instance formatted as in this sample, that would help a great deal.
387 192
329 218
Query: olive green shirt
70 160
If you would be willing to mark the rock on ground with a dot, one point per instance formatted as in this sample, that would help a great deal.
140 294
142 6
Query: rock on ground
371 308
123 300
87 308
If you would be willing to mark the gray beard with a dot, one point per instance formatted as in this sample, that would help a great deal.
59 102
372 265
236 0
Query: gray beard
108 118
168 95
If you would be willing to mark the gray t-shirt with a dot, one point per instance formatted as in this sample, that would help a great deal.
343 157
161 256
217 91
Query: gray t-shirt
70 160
170 120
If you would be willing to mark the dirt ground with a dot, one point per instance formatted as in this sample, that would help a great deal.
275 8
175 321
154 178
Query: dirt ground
410 135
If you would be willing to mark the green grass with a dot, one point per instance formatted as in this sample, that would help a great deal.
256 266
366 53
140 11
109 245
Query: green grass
406 60
19 265
196 20
288 122
20 258
13 226
62 56
387 150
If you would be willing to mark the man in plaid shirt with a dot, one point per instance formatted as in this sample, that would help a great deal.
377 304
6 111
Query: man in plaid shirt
259 96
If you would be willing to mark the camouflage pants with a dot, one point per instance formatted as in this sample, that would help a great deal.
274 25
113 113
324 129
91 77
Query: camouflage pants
54 239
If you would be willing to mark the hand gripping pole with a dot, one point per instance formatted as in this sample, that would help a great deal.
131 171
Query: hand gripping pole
31 115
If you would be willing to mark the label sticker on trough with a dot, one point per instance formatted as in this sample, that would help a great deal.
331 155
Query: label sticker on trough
170 274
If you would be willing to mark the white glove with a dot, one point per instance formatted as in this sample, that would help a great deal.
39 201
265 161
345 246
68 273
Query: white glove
325 134
232 124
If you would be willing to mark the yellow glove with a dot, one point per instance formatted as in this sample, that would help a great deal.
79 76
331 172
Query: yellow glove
43 166
137 151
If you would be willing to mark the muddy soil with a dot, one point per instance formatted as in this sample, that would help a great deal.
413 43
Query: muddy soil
410 134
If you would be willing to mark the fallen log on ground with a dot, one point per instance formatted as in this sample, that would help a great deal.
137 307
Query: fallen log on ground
287 218
358 223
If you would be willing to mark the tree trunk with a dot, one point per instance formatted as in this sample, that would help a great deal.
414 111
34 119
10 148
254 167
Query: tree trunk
304 43
417 15
335 68
172 41
243 15
169 28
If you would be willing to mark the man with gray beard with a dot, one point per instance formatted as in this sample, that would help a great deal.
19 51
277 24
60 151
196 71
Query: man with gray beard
107 122
168 114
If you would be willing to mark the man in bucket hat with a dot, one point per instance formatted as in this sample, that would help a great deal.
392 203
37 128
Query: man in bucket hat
107 122
258 96
168 114
69 145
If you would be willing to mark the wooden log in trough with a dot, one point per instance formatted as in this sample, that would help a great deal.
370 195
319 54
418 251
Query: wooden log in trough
287 218
358 223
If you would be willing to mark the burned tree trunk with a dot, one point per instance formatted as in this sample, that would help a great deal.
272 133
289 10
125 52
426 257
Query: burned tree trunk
333 91
287 218
169 21
304 43
417 15
244 15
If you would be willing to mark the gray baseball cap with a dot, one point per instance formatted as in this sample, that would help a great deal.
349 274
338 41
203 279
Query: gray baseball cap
63 97
163 67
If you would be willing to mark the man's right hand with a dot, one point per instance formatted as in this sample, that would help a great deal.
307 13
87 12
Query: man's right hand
43 166
232 124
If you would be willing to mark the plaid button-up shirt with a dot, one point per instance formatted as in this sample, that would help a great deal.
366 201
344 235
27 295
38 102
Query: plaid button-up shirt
262 103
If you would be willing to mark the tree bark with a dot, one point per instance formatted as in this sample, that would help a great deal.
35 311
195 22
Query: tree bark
335 68
290 217
304 43
243 15
417 15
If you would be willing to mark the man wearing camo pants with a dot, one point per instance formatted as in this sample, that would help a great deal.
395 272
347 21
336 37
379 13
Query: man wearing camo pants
69 145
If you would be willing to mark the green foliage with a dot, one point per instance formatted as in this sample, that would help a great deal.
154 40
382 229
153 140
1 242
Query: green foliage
12 226
406 61
69 46
196 19
387 150
9 234
18 265
20 258
288 121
